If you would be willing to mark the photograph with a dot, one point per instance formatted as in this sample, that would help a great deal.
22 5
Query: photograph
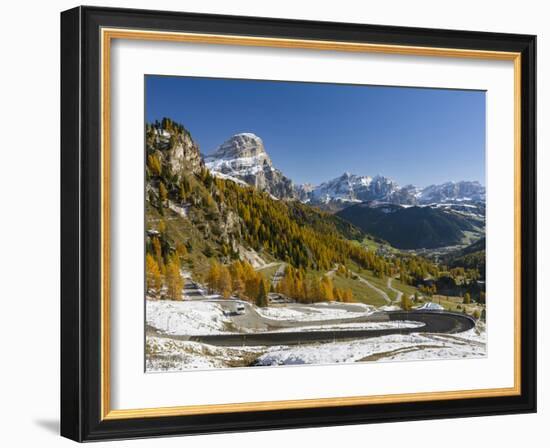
295 223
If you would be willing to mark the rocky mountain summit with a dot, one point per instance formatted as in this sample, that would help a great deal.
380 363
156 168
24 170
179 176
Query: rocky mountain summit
173 148
244 159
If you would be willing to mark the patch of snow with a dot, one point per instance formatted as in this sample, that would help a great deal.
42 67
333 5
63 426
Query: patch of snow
389 308
228 177
242 165
164 354
186 317
315 312
430 306
162 133
280 313
386 348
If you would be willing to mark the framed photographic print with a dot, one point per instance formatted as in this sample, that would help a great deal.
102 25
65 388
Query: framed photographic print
273 223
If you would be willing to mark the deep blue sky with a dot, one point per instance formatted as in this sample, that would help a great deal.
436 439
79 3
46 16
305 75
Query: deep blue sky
314 132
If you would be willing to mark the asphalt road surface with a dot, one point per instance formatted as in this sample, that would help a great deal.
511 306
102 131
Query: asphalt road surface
434 322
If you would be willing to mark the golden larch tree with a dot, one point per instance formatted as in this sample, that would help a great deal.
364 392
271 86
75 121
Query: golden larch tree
225 283
152 275
213 278
174 281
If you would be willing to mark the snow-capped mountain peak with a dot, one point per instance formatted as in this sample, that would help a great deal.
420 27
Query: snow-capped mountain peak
243 158
453 192
353 188
245 149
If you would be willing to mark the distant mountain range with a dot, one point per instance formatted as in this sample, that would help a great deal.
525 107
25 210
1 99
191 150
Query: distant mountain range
243 158
350 188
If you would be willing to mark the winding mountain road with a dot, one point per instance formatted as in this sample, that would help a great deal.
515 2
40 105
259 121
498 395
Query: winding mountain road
434 322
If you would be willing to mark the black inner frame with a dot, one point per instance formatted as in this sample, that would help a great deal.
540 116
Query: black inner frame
81 224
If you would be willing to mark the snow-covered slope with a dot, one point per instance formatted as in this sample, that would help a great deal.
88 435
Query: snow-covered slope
463 191
243 158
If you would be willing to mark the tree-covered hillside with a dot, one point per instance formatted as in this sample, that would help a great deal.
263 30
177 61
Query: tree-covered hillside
411 227
471 257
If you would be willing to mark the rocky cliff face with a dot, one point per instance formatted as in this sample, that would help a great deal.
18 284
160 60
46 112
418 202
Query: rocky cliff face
175 149
303 192
244 159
